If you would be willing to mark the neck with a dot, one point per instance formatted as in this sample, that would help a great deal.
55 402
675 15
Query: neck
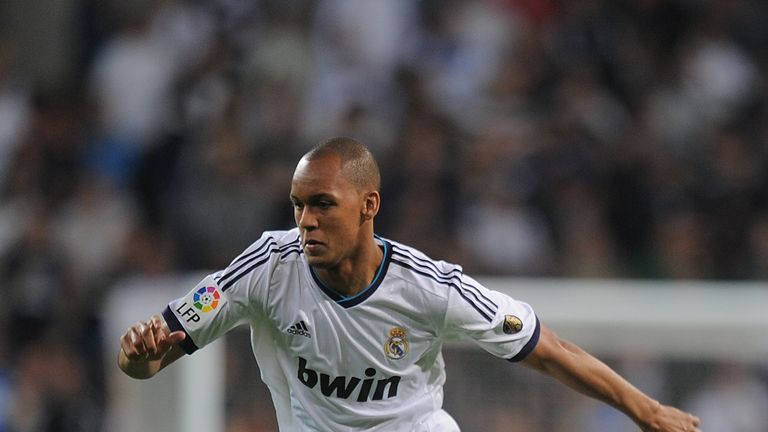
355 273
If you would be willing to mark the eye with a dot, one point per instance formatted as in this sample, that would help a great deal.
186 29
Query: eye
324 204
297 205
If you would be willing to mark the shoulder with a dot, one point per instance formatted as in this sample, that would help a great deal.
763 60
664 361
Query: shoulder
418 262
414 266
262 257
281 238
275 244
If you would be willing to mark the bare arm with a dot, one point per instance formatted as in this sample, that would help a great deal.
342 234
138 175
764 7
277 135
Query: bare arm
584 373
148 347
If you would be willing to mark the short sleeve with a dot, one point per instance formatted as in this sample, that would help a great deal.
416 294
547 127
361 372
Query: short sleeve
205 313
501 325
226 299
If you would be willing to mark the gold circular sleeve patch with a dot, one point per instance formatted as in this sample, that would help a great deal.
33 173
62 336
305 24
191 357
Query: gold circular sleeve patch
512 324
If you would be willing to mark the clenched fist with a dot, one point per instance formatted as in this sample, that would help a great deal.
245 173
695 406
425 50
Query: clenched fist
145 347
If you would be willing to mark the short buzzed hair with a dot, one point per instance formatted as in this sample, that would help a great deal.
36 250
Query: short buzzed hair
358 164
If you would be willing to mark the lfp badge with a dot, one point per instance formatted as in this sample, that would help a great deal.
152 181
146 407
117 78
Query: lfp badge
207 299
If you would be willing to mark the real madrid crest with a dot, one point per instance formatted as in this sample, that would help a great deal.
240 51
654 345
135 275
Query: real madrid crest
396 346
512 324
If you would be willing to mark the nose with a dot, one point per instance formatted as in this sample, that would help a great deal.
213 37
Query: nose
305 219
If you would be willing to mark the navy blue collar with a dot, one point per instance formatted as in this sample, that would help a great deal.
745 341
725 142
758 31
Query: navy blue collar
358 298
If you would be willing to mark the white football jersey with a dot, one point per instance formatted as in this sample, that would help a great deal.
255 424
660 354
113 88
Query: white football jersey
368 362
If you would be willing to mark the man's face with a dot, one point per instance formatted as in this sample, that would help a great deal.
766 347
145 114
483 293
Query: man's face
328 210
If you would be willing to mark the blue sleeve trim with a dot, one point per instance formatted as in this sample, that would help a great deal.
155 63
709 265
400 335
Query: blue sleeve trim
529 347
188 345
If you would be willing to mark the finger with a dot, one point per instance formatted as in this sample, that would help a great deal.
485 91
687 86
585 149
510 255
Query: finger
127 346
161 331
693 427
176 337
148 336
169 341
159 325
136 340
133 346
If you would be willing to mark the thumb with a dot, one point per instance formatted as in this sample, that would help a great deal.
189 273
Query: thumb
166 342
176 337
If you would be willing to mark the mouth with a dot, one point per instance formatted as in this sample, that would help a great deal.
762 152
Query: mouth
311 246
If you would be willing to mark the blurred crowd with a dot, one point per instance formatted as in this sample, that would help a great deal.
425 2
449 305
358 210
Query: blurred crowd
597 138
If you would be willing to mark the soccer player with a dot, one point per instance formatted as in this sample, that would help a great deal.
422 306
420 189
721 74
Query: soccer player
347 327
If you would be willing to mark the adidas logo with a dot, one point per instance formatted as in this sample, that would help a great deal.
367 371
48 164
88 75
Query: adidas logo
300 328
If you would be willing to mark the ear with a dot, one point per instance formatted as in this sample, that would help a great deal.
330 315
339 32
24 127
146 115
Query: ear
371 205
